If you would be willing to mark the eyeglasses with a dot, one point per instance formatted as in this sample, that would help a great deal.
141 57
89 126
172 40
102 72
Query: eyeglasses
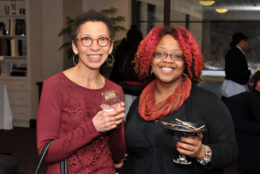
163 55
101 41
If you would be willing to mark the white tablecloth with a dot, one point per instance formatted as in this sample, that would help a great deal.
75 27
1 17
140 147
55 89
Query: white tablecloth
6 117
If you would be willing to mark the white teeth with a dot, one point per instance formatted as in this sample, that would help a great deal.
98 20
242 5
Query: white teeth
167 69
94 56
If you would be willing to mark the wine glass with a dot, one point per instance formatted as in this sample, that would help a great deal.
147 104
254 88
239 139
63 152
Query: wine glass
110 100
183 129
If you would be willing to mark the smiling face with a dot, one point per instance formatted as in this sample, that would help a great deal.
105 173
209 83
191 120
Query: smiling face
166 70
93 56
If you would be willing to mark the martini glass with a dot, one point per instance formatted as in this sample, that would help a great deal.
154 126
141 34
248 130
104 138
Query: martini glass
183 129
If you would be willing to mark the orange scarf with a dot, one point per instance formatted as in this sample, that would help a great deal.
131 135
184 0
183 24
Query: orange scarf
150 111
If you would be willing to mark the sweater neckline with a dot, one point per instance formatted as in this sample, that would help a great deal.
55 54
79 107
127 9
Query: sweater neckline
78 86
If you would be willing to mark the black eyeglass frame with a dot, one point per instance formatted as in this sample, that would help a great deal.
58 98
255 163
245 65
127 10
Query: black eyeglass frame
174 57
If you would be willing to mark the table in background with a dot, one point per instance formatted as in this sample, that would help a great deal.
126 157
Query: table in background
6 117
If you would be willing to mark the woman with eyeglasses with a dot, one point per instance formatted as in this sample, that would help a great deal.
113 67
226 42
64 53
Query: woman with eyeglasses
173 57
70 113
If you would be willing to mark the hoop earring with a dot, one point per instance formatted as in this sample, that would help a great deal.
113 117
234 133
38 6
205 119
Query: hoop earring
73 59
110 60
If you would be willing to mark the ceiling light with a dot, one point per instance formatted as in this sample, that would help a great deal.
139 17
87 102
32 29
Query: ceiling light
207 3
221 10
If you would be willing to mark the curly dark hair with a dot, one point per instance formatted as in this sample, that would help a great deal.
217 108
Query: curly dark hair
194 63
91 16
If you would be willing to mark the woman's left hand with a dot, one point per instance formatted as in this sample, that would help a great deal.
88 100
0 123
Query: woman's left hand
191 146
121 163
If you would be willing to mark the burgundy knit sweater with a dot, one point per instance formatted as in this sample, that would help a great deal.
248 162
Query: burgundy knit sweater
65 114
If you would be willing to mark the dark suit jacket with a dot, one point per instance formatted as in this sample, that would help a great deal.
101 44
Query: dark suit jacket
247 130
236 67
254 103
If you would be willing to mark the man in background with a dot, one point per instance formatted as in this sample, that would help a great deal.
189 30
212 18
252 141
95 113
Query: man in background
236 68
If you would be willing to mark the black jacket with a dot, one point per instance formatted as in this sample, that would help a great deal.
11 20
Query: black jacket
151 146
236 67
254 103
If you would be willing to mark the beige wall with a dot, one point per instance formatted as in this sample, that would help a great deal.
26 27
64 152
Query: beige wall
45 22
35 51
123 7
71 12
52 22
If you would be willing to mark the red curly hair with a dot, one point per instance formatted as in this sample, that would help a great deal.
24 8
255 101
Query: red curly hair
194 63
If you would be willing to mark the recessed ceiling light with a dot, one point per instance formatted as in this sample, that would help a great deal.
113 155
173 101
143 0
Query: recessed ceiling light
207 3
221 10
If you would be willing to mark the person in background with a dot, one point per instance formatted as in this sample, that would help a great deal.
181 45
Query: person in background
123 71
175 59
123 68
236 68
92 140
254 97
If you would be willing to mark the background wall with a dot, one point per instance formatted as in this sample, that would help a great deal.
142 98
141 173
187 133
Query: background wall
68 11
123 7
217 35
52 22
35 50
45 20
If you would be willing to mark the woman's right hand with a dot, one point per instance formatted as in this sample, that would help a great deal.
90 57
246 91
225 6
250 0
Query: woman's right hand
105 121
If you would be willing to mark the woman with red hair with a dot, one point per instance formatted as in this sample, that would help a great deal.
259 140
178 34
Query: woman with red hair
173 57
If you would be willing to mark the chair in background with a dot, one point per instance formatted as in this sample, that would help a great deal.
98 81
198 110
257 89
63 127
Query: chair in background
132 90
247 132
212 86
8 164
